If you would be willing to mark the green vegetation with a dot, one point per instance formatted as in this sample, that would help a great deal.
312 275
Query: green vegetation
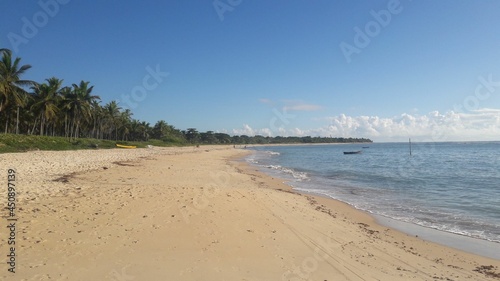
50 116
21 143
72 112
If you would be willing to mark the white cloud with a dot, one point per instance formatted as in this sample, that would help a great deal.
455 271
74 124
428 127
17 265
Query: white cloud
481 124
266 132
302 107
298 132
298 105
249 131
267 101
246 130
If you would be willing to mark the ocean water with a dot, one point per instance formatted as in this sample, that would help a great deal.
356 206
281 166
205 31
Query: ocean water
453 187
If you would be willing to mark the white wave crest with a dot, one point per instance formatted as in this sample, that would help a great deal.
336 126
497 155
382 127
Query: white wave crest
299 176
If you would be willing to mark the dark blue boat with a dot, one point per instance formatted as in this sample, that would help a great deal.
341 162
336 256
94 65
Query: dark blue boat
352 152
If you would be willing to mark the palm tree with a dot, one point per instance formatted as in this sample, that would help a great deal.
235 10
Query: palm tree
135 130
112 113
145 130
78 102
97 115
125 120
160 129
65 110
11 84
46 102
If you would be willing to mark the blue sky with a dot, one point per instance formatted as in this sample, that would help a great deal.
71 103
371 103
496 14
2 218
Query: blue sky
418 68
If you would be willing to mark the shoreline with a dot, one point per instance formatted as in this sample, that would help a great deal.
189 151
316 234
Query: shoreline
462 243
199 214
372 224
471 245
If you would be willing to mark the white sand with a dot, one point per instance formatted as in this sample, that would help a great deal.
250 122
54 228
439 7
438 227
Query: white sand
179 215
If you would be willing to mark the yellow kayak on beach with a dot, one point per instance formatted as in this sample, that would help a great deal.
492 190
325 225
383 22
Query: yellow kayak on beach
125 146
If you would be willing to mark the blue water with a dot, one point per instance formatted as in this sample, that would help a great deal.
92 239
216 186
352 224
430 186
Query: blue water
453 187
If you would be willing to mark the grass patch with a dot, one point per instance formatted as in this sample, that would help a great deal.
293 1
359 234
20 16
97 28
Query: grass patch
22 143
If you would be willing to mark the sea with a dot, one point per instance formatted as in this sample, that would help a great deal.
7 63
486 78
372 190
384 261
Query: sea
452 187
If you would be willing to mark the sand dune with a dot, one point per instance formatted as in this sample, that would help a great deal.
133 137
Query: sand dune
194 214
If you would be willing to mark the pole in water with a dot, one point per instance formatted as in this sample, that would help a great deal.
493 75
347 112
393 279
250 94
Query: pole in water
410 145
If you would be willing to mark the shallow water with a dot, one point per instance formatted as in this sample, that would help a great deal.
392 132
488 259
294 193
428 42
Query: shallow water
453 187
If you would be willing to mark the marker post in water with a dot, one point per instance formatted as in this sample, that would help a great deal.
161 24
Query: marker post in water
409 140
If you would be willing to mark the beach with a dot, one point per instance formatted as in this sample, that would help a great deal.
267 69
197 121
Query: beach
198 214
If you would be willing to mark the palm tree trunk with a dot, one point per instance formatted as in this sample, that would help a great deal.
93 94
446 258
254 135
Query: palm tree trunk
66 125
34 126
77 123
1 106
71 126
42 121
17 121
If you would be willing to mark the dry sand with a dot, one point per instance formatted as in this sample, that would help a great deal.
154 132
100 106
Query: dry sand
194 214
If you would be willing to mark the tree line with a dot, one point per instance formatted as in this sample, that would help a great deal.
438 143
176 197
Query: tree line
51 109
210 137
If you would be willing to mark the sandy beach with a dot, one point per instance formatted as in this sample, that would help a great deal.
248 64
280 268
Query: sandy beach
198 214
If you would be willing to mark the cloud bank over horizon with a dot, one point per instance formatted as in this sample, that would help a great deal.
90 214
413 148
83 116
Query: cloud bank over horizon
480 124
